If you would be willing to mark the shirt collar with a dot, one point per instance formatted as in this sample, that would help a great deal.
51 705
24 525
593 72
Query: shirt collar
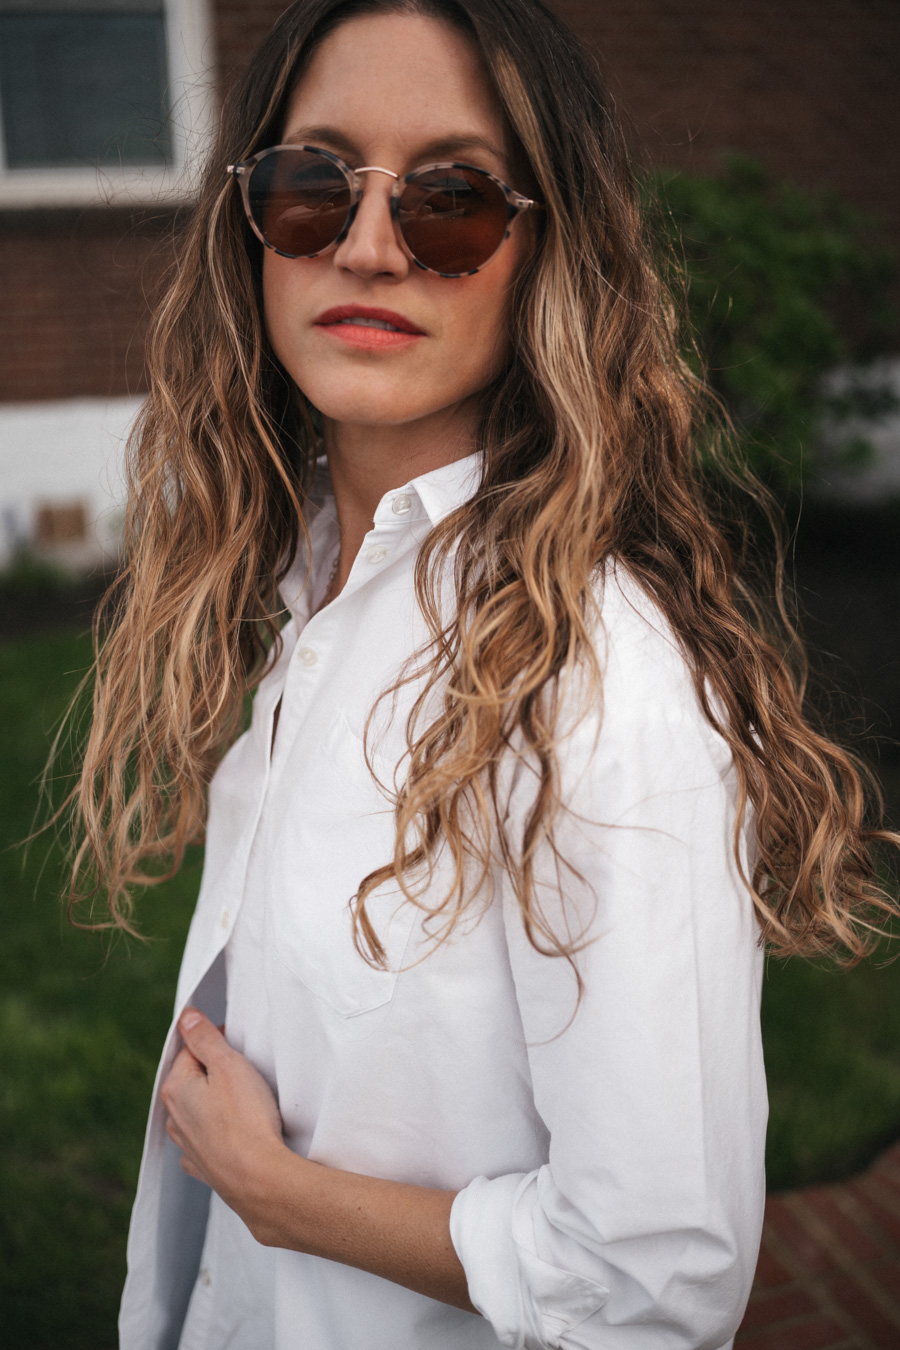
442 490
438 493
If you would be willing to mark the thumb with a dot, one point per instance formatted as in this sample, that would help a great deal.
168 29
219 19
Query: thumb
204 1040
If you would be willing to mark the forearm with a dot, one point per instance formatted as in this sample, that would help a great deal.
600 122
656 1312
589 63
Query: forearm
392 1229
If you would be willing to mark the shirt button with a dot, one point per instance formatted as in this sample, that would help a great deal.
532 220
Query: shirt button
402 504
205 1278
376 554
226 917
308 656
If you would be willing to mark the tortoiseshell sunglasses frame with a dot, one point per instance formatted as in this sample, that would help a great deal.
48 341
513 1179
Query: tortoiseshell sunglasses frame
516 201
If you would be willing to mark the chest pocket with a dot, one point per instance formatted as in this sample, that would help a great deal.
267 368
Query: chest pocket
335 830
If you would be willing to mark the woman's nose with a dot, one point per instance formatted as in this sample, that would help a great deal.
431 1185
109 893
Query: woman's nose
371 247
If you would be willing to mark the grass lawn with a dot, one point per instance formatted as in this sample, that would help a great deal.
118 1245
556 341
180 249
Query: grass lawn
82 1021
81 1024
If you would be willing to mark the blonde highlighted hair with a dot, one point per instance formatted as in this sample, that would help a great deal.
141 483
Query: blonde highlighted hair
591 441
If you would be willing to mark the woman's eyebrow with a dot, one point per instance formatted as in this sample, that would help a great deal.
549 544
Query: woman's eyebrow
450 145
454 145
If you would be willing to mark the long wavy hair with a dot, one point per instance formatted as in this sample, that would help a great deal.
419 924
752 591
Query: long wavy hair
597 445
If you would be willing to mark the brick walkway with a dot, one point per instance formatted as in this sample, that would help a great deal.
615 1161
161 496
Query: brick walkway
829 1270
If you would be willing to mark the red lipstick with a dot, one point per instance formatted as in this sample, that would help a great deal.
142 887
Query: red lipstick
364 326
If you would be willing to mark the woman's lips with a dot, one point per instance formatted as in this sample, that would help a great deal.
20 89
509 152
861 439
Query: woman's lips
375 329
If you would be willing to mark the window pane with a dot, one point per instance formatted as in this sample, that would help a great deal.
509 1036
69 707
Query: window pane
58 7
83 89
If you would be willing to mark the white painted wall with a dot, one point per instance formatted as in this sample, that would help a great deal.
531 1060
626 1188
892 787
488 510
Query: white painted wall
61 452
878 480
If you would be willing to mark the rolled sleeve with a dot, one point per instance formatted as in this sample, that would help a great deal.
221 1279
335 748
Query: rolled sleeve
529 1302
642 1229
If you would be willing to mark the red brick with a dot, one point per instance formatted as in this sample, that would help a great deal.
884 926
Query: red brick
806 1248
769 1270
857 1241
888 1276
771 1308
814 1333
886 1181
870 1196
888 1162
77 290
882 1330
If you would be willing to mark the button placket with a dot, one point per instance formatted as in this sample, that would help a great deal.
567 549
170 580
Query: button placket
307 665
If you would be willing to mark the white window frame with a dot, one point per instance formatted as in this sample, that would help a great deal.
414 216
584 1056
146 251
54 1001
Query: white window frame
190 60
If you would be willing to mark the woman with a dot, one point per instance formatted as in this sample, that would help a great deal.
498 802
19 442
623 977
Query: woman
487 875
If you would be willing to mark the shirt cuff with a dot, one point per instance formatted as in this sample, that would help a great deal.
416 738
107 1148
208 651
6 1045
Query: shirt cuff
529 1303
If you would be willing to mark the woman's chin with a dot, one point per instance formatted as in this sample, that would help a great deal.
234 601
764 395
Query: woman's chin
376 412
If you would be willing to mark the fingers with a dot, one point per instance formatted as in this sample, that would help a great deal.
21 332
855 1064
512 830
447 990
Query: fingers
204 1040
177 1137
185 1067
188 1067
179 1141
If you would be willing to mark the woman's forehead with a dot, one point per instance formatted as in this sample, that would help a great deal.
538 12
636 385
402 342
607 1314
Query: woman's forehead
403 83
444 146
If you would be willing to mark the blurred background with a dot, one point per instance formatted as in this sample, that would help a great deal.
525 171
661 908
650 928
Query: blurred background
766 138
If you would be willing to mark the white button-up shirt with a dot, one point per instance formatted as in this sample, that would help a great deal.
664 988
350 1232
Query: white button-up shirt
609 1160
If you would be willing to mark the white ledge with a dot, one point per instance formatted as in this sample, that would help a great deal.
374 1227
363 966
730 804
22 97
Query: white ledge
24 188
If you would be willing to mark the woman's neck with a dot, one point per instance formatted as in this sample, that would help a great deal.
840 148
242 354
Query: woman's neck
365 462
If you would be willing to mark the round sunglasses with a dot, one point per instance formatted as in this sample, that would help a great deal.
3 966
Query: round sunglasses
451 218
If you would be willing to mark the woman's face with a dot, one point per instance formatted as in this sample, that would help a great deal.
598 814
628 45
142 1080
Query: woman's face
397 91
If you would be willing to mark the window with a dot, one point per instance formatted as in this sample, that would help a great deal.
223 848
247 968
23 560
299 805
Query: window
100 100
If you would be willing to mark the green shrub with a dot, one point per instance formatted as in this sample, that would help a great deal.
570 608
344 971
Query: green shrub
27 573
782 286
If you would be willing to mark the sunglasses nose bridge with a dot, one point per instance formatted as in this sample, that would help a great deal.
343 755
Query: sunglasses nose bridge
376 168
354 176
373 168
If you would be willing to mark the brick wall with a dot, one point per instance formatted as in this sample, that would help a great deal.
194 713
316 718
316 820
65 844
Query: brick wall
76 289
240 26
809 87
806 86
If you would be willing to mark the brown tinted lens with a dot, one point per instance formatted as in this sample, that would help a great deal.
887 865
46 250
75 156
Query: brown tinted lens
452 219
299 201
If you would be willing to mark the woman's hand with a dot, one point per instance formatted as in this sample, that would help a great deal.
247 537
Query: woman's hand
225 1120
223 1116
